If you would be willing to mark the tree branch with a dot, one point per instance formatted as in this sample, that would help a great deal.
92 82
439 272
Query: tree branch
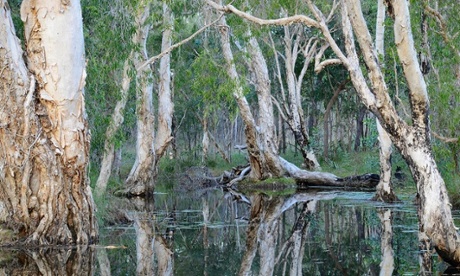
280 21
167 51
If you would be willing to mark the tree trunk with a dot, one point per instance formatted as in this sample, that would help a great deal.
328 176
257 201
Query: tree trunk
151 146
45 196
359 127
385 188
263 164
165 103
115 123
291 106
412 141
141 176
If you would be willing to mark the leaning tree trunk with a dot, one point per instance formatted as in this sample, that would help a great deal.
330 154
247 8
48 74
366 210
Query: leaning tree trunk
413 141
45 196
261 168
115 123
267 134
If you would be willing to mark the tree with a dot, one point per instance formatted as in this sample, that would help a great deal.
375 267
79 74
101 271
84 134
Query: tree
45 196
412 140
384 188
290 107
262 148
151 145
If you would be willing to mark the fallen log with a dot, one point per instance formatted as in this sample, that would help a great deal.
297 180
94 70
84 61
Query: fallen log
306 178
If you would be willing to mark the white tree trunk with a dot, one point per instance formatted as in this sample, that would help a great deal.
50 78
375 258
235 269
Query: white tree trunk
412 141
261 152
165 103
115 123
151 145
384 188
295 114
141 174
44 155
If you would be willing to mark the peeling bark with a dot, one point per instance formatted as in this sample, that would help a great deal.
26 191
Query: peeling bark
413 141
141 176
45 196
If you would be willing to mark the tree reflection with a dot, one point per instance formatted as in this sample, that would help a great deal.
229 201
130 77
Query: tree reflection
154 255
48 261
264 233
386 220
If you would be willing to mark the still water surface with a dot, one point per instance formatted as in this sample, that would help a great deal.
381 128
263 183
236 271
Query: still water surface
216 232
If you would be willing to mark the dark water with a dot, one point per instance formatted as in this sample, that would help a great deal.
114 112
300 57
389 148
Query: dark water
218 232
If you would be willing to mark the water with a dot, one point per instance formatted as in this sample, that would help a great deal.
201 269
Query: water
216 232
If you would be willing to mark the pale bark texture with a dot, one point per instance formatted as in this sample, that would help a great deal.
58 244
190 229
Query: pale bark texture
151 145
290 106
387 264
262 151
165 103
44 152
384 188
141 174
115 123
412 140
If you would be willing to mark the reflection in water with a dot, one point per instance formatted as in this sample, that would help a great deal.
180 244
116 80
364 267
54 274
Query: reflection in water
387 264
154 257
263 232
48 261
213 232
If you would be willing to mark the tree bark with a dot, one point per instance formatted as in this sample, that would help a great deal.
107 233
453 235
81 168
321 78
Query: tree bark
412 141
385 188
291 106
262 153
151 145
115 123
45 195
165 103
141 176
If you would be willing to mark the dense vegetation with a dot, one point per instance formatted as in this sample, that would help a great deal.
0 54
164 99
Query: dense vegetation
203 92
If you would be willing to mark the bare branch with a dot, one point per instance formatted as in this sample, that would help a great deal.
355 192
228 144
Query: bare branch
280 110
444 139
167 51
280 21
319 66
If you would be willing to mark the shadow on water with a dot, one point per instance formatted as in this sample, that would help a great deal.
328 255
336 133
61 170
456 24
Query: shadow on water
216 232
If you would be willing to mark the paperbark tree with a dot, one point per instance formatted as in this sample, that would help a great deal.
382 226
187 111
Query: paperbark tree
384 188
45 196
412 140
115 123
290 106
262 151
151 145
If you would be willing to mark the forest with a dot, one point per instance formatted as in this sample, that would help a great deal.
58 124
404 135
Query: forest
109 105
